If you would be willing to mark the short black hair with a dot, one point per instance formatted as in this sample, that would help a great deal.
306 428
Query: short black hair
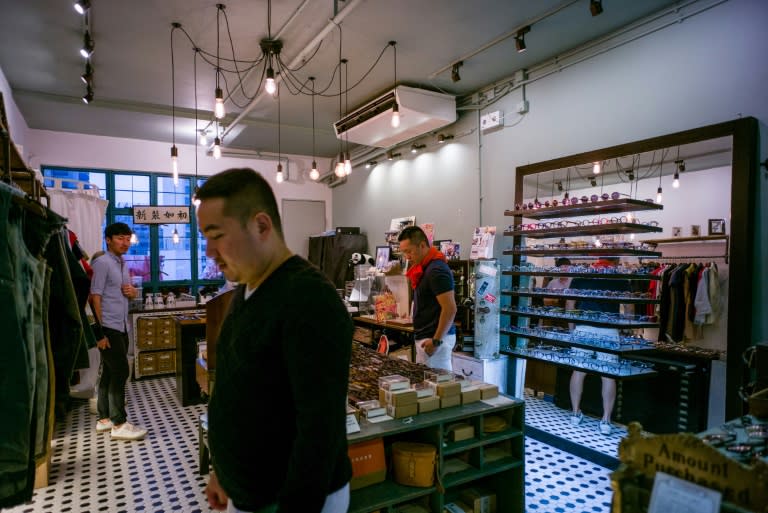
413 234
117 229
560 261
245 193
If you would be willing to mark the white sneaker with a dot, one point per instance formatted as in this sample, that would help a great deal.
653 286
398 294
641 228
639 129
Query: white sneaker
103 425
605 427
576 418
127 431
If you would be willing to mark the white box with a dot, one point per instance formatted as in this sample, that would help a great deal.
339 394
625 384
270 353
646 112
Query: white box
492 371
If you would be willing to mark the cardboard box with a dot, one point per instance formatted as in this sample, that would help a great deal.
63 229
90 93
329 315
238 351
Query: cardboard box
397 397
461 431
479 500
426 404
457 507
450 401
399 412
368 463
470 395
488 391
445 389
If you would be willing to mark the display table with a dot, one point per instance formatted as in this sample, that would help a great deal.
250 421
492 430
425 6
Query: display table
368 330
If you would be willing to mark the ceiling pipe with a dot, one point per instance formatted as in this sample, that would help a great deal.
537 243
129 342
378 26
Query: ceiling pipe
332 24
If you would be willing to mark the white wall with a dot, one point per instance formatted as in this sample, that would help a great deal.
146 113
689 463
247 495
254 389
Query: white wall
705 70
18 126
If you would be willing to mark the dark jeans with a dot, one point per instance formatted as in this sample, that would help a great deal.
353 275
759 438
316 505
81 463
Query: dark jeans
114 375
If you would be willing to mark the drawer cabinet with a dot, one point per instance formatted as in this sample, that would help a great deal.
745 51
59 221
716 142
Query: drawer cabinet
492 371
152 336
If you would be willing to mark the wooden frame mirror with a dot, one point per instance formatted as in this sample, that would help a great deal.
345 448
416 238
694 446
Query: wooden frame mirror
741 136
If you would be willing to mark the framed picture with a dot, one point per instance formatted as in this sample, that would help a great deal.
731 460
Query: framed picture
382 256
717 227
677 231
695 230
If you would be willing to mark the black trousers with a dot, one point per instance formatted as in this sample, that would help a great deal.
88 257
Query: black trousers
113 374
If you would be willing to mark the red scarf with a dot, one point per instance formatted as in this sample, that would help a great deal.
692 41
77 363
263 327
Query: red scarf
416 272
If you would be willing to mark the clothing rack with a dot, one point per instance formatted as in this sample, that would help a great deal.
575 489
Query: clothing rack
23 200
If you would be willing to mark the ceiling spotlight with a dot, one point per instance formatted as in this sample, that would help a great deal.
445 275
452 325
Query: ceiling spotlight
680 165
87 50
455 71
392 155
415 148
442 138
520 39
87 77
88 98
81 6
370 164
596 7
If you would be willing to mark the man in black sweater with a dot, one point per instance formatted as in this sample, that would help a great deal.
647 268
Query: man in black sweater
277 414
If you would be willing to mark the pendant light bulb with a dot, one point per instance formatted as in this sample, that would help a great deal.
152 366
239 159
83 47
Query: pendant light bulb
395 116
339 170
659 196
347 164
218 108
596 168
203 137
175 236
279 177
270 86
217 148
314 174
175 164
676 181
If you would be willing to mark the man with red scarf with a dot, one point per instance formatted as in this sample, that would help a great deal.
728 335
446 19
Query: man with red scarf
434 304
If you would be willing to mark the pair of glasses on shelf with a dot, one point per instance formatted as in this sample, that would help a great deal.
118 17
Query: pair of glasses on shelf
579 269
581 292
581 337
567 200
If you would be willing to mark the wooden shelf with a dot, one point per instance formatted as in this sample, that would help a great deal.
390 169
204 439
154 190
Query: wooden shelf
578 297
598 276
590 230
588 322
678 240
628 372
584 252
623 348
586 209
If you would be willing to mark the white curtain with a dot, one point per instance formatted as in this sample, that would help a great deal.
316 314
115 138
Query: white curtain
85 213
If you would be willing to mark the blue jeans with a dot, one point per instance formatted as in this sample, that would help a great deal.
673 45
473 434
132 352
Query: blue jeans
113 376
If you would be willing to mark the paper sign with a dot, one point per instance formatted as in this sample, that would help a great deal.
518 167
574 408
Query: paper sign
161 215
352 425
674 494
486 270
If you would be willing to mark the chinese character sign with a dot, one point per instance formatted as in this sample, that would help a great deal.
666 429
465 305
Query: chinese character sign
161 215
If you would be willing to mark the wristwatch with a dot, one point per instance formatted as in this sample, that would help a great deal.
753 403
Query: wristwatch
436 342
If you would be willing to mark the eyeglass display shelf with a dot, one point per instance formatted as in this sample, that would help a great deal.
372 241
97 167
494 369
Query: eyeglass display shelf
599 276
628 371
581 297
579 320
676 240
623 348
584 252
588 230
585 209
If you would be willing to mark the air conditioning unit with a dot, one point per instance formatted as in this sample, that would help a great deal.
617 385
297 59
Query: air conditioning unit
421 111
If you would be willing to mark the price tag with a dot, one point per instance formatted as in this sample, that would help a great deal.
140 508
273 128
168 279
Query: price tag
352 425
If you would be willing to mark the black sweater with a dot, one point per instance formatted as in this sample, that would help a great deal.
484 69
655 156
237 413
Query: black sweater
277 414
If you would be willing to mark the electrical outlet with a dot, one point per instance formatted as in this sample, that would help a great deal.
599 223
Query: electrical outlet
491 120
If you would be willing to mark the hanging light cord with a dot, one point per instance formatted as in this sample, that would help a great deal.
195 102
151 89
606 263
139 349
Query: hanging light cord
197 140
313 117
173 90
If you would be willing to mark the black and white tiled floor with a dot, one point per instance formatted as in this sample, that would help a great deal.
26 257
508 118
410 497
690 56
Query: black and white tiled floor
91 473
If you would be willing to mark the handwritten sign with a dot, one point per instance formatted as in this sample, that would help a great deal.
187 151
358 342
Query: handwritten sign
161 215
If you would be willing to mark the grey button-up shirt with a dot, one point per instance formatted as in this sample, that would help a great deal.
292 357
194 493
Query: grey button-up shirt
109 273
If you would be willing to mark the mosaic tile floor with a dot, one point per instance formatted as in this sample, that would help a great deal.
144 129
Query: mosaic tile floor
91 473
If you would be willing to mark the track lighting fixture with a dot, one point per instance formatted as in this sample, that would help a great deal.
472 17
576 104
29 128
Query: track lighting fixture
455 77
88 98
596 168
392 155
175 236
442 138
279 176
520 39
88 45
593 182
217 148
82 6
415 148
596 7
87 77
370 164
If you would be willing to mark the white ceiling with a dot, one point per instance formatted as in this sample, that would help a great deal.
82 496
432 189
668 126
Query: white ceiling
132 58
